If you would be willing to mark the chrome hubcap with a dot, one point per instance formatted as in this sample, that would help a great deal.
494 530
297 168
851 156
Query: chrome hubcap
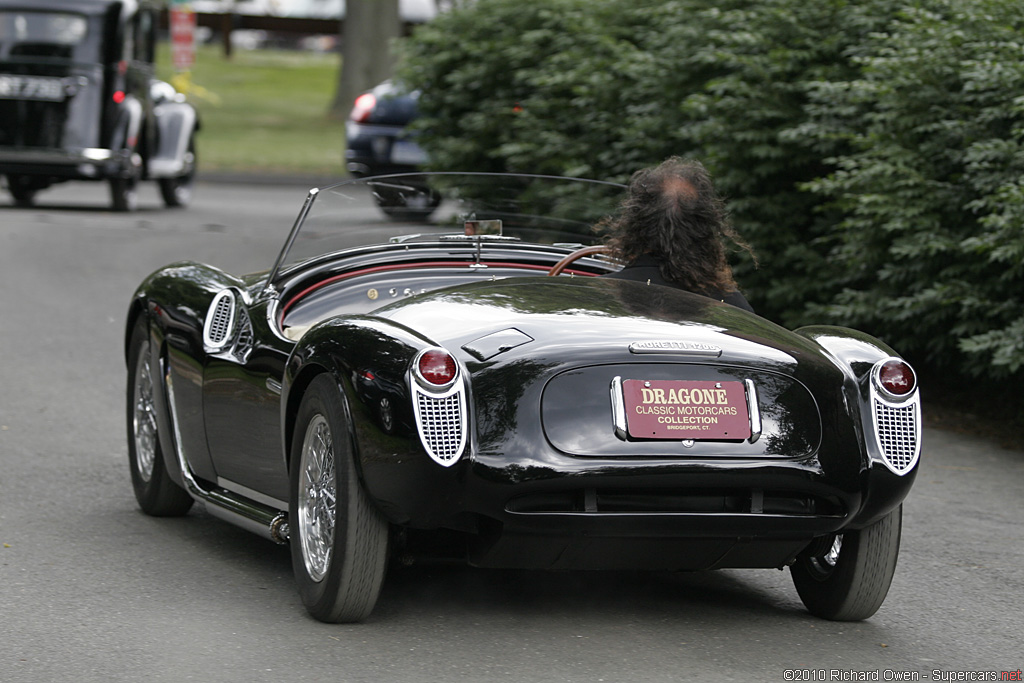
316 498
144 421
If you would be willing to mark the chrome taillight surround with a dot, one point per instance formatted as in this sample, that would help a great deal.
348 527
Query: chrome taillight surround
441 414
896 422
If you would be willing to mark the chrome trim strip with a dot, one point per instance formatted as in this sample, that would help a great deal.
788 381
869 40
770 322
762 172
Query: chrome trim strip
618 408
686 348
753 410
273 386
252 495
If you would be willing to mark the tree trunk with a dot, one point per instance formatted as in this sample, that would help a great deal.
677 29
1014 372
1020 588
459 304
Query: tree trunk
366 59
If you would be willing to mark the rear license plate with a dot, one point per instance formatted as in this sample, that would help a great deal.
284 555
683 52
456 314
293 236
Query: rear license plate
685 409
41 88
403 152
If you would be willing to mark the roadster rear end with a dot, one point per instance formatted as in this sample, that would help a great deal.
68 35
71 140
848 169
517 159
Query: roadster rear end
622 428
371 400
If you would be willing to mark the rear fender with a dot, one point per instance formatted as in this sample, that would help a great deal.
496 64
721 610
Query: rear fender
368 359
856 354
128 126
175 124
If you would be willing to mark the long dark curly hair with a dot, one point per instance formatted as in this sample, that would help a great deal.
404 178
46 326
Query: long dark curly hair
673 213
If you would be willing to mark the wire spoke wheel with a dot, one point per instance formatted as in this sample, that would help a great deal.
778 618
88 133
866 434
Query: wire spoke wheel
317 498
339 539
144 424
156 492
847 576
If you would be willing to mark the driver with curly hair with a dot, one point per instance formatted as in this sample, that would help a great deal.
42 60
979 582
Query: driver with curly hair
672 230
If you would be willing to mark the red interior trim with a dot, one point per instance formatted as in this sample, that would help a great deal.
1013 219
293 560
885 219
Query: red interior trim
416 266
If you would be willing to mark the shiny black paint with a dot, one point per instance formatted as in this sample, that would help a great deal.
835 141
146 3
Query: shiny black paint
526 498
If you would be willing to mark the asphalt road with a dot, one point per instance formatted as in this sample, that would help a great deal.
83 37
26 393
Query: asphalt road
93 590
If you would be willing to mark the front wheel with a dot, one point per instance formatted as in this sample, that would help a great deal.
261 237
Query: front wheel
847 576
177 191
338 538
124 194
156 493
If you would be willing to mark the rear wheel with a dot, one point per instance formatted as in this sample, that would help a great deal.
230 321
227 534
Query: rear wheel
177 191
847 576
22 190
338 538
156 493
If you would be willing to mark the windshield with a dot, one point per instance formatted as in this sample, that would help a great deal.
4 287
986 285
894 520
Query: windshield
40 34
447 206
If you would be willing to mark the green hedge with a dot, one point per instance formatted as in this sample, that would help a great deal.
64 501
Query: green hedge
871 150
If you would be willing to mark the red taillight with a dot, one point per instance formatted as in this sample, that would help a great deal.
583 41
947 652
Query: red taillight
363 107
437 367
896 377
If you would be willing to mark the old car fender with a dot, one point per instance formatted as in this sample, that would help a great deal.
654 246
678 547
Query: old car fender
175 122
857 354
369 359
128 125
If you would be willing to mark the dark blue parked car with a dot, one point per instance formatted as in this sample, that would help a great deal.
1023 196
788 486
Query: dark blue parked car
378 142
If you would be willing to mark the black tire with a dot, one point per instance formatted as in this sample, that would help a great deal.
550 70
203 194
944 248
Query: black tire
847 577
339 569
177 192
22 190
124 194
156 493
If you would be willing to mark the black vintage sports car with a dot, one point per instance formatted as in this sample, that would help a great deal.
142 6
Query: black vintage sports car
388 388
78 101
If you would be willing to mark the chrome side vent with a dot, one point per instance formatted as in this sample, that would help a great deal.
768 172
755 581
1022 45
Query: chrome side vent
898 433
441 421
220 321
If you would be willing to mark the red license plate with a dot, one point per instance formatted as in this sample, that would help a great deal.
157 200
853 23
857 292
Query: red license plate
685 409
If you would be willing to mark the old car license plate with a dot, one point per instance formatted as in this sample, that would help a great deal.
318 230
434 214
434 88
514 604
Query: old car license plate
44 88
685 409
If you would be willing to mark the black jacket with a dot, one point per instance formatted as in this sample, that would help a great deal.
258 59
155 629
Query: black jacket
645 269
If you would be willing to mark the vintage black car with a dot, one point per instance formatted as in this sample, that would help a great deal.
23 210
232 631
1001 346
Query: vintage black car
470 382
78 101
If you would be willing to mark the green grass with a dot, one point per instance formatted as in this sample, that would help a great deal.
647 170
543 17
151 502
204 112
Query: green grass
264 110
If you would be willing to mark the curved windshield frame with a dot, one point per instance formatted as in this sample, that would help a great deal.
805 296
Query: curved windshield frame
438 207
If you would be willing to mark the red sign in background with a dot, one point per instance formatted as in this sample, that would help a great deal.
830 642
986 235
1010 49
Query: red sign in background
683 409
183 32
